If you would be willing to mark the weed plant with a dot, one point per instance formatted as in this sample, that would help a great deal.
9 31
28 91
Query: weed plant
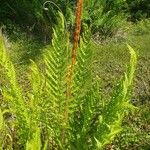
45 118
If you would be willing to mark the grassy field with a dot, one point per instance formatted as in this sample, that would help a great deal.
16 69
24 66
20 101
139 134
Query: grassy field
109 63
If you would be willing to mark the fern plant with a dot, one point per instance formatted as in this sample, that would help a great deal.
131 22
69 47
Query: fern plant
45 117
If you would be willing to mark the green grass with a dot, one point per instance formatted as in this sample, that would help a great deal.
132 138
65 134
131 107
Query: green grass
109 63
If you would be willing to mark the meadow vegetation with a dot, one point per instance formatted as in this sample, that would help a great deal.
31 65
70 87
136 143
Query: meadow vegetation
101 101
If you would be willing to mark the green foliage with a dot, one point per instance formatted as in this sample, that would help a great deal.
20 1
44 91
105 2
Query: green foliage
12 92
45 118
1 119
104 16
109 63
1 127
34 143
138 9
31 16
141 28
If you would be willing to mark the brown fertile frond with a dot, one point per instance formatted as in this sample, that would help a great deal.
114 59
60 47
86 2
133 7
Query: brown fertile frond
76 38
76 35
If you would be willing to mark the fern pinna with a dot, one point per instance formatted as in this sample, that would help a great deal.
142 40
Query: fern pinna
37 119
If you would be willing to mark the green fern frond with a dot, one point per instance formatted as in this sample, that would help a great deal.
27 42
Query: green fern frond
98 126
114 112
36 95
55 60
1 120
82 69
14 90
47 115
37 79
35 142
56 68
12 93
1 128
85 118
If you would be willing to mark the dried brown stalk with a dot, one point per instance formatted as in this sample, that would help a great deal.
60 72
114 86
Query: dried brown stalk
76 37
